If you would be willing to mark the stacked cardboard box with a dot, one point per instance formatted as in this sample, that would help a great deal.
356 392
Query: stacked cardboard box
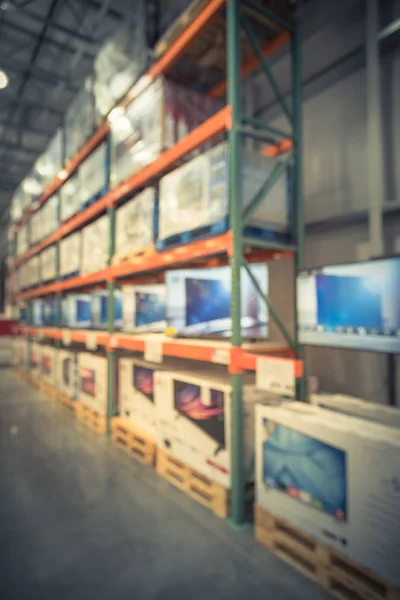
70 254
93 174
70 198
357 407
66 373
35 359
93 381
143 308
48 266
95 244
49 356
80 119
136 223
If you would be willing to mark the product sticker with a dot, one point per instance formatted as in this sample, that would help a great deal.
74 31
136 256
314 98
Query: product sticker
276 375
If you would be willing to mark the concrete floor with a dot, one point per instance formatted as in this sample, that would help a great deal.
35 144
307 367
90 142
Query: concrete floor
79 519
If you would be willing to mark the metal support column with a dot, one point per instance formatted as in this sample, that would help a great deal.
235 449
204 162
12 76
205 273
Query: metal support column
111 358
235 207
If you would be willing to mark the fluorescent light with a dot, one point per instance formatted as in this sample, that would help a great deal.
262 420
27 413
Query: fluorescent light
3 79
116 114
63 174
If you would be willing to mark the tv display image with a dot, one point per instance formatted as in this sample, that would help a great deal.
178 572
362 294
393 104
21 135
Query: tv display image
355 305
306 469
143 381
199 301
46 365
82 311
88 381
209 417
150 308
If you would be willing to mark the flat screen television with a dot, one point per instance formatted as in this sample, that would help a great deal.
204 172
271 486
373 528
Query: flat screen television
199 301
150 308
143 381
88 381
99 309
34 360
354 305
305 469
210 416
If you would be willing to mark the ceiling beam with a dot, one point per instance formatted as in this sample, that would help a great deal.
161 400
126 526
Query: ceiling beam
15 99
17 148
111 12
35 72
26 129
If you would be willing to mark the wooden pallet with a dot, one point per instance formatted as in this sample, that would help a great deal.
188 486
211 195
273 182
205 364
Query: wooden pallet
201 488
47 389
335 572
67 402
135 256
133 441
91 418
35 381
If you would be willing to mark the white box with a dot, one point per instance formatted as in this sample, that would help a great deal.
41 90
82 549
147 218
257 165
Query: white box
356 407
49 364
196 194
93 174
75 311
79 119
160 116
143 308
334 477
136 393
95 244
93 381
22 239
135 223
194 421
48 267
49 215
70 254
35 359
70 198
67 373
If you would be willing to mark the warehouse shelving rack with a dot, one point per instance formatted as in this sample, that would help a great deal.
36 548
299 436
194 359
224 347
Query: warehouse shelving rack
233 247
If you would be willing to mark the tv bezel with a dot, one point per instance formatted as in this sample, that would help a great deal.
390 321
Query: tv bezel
316 270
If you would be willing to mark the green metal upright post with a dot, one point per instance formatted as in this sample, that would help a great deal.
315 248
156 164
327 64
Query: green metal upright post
235 220
111 362
298 213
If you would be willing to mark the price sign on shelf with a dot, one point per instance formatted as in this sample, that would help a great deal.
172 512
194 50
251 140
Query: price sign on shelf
91 341
113 341
153 351
66 337
276 375
221 356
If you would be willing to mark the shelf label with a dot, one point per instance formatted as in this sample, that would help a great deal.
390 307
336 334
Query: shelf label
153 351
276 375
113 341
66 337
91 341
40 334
221 356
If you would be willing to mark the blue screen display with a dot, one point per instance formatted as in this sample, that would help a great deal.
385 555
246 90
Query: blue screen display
206 300
150 308
82 310
306 469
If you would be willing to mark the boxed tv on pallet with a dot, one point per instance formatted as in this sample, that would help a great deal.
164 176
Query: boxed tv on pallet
356 407
94 173
95 242
67 373
70 255
160 116
136 224
143 308
99 309
194 198
93 381
193 412
75 311
198 301
70 198
311 471
48 266
136 393
49 364
31 272
35 359
79 120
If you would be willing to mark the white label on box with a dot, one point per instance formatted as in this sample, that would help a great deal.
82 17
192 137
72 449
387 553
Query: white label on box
153 351
221 356
66 337
113 341
276 375
91 341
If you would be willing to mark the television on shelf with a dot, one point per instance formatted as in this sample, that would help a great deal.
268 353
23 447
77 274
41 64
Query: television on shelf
354 305
199 301
99 309
143 381
49 312
306 469
76 311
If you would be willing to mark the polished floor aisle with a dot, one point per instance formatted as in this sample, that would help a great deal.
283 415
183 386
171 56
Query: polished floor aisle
80 520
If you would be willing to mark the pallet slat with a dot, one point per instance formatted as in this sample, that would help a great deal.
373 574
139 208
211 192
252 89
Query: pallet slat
67 402
133 441
134 256
91 418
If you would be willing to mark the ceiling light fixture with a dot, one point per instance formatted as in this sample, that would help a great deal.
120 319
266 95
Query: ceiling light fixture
3 79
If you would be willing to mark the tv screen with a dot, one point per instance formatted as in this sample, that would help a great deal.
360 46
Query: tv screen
209 417
206 300
143 381
150 308
355 305
99 309
88 381
305 469
82 310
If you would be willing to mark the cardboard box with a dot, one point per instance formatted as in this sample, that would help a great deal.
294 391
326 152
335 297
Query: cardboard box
75 311
48 264
193 413
136 393
94 174
334 477
95 244
93 381
49 215
70 254
22 239
49 364
67 373
35 359
29 272
196 194
70 198
36 227
80 119
20 351
99 309
136 223
159 117
143 308
356 407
